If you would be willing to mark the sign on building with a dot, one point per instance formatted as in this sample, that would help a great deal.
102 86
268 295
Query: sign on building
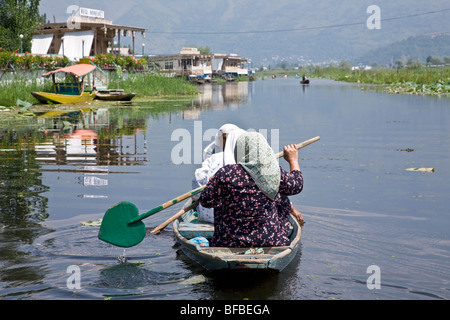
92 13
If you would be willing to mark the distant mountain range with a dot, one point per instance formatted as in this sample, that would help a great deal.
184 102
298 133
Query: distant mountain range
270 31
415 48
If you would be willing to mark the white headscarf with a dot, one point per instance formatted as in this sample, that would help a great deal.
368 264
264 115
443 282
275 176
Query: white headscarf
225 129
228 153
215 158
217 145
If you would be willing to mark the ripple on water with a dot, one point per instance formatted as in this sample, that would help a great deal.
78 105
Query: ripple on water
149 270
339 245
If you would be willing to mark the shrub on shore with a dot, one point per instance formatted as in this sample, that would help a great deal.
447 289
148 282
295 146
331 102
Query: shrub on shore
150 84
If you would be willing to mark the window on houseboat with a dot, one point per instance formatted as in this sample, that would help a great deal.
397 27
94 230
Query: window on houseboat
168 65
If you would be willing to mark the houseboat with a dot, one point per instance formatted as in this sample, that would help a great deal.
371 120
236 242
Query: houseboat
229 66
193 65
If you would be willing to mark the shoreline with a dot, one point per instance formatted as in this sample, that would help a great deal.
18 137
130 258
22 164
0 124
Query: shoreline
145 85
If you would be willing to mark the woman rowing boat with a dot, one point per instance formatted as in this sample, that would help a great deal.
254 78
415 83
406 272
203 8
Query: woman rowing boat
250 197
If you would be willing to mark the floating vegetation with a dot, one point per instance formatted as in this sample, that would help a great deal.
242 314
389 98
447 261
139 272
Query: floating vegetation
91 223
14 116
421 169
194 280
437 88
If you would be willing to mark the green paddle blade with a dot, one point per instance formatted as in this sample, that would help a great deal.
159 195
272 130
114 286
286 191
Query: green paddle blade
115 228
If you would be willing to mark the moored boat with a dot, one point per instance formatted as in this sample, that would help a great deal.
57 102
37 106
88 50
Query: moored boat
220 258
69 92
46 97
114 95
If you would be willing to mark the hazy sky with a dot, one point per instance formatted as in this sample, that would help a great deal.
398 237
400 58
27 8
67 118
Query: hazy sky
264 29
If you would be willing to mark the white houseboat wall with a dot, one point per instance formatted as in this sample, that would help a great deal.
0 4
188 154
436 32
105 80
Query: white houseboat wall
234 66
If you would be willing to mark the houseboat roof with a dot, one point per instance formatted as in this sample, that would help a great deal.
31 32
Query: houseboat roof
186 55
51 27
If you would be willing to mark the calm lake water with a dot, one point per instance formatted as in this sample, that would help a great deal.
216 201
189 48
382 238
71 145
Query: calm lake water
362 207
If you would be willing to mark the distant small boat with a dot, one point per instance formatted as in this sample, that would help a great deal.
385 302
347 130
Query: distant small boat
114 95
68 92
306 81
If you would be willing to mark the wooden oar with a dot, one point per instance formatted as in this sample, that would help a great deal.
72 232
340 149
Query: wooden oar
300 145
174 217
122 226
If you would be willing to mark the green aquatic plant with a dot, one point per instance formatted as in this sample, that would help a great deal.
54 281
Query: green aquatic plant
151 85
21 89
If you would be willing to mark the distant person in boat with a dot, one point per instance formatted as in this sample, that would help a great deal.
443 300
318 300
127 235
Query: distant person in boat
251 195
218 154
304 78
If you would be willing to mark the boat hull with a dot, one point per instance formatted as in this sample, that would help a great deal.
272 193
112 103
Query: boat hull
46 97
115 97
220 258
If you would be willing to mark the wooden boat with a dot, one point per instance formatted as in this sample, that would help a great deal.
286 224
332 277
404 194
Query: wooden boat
68 92
46 97
306 81
114 95
219 258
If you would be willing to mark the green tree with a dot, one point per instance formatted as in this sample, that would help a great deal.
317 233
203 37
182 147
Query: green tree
204 50
413 64
433 60
18 17
283 65
345 65
399 64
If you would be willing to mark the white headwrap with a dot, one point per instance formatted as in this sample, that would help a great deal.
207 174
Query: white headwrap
230 145
217 145
215 158
225 129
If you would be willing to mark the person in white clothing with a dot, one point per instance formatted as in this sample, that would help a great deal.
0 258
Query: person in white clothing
218 154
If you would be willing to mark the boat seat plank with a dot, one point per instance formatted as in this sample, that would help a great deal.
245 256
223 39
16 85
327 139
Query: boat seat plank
191 230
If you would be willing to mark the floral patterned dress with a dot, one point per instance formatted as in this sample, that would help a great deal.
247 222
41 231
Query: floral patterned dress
244 216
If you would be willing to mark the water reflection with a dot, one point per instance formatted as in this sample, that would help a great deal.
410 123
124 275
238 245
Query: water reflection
87 140
94 136
21 188
87 143
216 97
22 209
